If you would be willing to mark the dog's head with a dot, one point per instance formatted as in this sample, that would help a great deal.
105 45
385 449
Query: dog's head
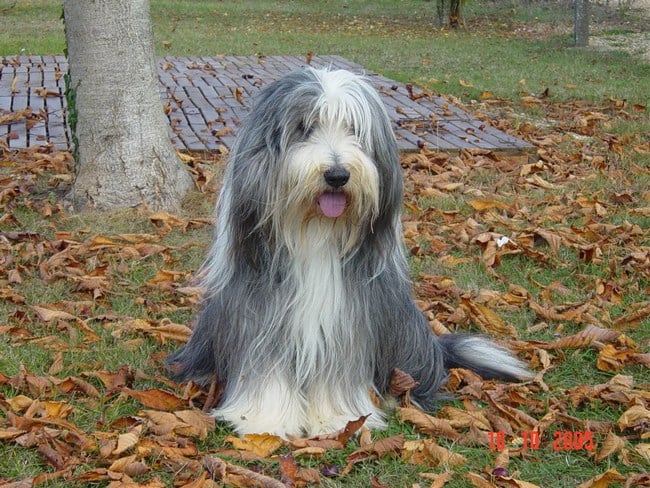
318 150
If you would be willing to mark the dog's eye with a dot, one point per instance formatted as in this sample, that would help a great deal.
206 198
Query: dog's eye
306 129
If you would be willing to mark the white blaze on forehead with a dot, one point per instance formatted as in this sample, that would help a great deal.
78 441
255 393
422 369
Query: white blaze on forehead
345 102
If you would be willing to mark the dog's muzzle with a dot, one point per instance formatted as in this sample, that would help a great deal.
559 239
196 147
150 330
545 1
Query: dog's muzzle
332 203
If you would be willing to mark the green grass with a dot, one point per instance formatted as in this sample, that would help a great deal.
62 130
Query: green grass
396 38
31 27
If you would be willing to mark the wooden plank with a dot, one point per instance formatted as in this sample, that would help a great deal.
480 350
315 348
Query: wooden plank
5 108
18 130
200 93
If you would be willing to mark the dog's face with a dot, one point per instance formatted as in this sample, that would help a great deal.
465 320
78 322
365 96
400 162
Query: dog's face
322 144
329 173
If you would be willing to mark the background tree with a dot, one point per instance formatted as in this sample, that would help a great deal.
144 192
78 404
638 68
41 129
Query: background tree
581 27
454 16
124 155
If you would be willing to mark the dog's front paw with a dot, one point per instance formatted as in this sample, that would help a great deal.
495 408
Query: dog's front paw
264 406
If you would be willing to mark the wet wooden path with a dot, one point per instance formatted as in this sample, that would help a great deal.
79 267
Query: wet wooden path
206 98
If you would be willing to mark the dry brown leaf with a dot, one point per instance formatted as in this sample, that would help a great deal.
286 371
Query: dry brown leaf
604 480
19 403
635 417
166 276
401 383
643 450
48 314
478 481
510 481
114 380
57 365
487 319
129 465
610 445
155 398
170 332
586 337
437 480
464 419
427 452
288 470
310 451
380 448
99 242
482 205
165 221
611 358
199 424
520 420
49 409
427 424
164 423
239 95
127 440
633 319
72 383
351 428
229 473
263 445
572 313
11 433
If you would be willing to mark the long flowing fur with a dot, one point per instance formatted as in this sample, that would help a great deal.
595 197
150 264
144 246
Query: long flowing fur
306 315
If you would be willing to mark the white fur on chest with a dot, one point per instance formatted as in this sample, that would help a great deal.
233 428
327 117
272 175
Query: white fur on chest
317 314
325 378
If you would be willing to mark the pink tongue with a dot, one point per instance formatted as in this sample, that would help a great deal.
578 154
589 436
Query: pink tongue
332 203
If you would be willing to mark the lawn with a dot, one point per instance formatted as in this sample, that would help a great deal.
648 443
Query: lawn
550 254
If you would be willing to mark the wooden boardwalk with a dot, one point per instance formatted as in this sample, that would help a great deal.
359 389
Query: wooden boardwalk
206 98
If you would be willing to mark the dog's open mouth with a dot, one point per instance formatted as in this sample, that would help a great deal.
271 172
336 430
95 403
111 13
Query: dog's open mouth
332 203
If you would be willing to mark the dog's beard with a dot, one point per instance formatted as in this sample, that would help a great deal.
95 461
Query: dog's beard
309 211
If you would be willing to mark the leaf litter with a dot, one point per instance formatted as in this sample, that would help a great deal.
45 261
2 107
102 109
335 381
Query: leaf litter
576 212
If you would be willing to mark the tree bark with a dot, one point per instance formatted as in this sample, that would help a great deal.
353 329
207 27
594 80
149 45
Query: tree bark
124 155
440 13
455 13
581 25
455 17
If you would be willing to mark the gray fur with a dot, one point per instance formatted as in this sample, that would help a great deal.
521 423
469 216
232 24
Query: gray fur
250 293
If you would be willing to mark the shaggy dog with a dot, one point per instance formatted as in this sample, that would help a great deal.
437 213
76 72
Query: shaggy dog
308 306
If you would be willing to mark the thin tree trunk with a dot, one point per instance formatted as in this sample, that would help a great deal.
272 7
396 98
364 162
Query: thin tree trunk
440 13
124 155
581 26
455 13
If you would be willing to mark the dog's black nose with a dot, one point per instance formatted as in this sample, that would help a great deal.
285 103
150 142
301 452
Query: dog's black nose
337 176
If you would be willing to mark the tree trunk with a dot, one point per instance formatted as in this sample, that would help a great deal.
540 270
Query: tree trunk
440 13
455 17
124 155
581 25
455 13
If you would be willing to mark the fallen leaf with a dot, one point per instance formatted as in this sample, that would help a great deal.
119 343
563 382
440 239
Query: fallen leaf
127 441
635 417
610 445
427 424
604 480
263 445
426 452
155 398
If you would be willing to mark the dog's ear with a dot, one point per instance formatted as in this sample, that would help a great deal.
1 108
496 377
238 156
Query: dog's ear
280 111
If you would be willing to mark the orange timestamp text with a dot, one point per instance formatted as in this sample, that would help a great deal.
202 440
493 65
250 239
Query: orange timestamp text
563 440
